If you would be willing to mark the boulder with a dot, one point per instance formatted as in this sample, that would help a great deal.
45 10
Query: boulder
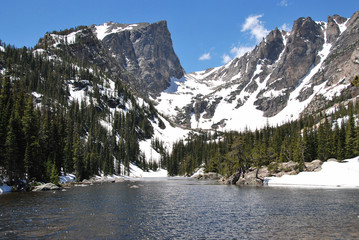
46 187
313 166
231 179
86 181
248 179
209 176
263 172
119 179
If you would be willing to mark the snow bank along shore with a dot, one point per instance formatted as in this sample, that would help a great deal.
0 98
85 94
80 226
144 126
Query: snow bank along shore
66 179
333 174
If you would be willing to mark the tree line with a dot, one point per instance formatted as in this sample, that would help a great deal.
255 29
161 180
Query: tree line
320 136
40 137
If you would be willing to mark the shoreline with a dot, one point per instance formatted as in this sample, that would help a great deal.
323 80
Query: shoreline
330 174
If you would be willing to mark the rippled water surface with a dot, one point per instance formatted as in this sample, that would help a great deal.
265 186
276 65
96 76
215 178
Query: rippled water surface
180 209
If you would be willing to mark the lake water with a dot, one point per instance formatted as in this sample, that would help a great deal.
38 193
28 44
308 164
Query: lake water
180 209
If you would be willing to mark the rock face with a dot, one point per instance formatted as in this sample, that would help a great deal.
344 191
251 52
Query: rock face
255 176
209 176
139 54
314 166
146 52
286 75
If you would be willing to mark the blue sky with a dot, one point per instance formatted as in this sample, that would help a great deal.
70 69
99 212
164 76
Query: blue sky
205 33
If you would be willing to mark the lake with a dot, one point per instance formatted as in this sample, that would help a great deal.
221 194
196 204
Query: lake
177 208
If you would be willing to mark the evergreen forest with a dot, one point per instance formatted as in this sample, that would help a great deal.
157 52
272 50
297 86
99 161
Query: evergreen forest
44 132
40 136
320 136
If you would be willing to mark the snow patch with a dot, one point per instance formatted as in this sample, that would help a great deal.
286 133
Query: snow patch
149 152
173 85
333 174
36 95
137 172
105 29
5 188
67 178
343 26
199 172
63 39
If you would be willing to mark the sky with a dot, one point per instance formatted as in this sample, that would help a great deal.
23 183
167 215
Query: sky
205 33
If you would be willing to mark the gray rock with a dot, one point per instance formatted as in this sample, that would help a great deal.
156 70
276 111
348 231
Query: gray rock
142 56
298 56
333 30
46 187
118 180
146 52
313 166
209 176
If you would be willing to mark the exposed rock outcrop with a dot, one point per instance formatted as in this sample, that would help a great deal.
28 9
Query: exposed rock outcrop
255 176
208 176
146 52
139 54
284 71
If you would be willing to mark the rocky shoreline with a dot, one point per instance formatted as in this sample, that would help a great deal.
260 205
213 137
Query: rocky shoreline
255 176
252 177
71 182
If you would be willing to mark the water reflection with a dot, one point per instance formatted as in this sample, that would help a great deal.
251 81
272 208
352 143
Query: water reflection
180 209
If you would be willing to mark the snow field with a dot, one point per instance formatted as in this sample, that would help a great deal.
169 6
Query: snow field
246 116
333 175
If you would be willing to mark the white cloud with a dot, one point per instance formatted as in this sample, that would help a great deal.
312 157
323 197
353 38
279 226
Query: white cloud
205 56
257 30
240 51
283 3
256 27
285 27
236 51
226 58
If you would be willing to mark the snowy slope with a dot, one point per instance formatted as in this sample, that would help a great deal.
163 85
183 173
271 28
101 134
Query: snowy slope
245 92
169 135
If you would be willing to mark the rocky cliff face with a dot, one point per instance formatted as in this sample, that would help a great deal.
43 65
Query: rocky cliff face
140 54
287 74
145 50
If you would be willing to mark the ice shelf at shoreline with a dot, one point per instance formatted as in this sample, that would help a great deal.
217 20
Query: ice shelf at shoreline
333 174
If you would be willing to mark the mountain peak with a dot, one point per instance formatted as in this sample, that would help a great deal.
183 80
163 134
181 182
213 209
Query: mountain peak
284 76
108 28
144 50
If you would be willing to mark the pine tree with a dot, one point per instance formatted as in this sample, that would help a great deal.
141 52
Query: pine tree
5 113
14 158
54 177
78 155
350 133
323 148
32 151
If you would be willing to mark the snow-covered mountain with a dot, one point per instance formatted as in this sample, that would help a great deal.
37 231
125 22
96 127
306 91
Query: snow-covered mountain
139 54
286 75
